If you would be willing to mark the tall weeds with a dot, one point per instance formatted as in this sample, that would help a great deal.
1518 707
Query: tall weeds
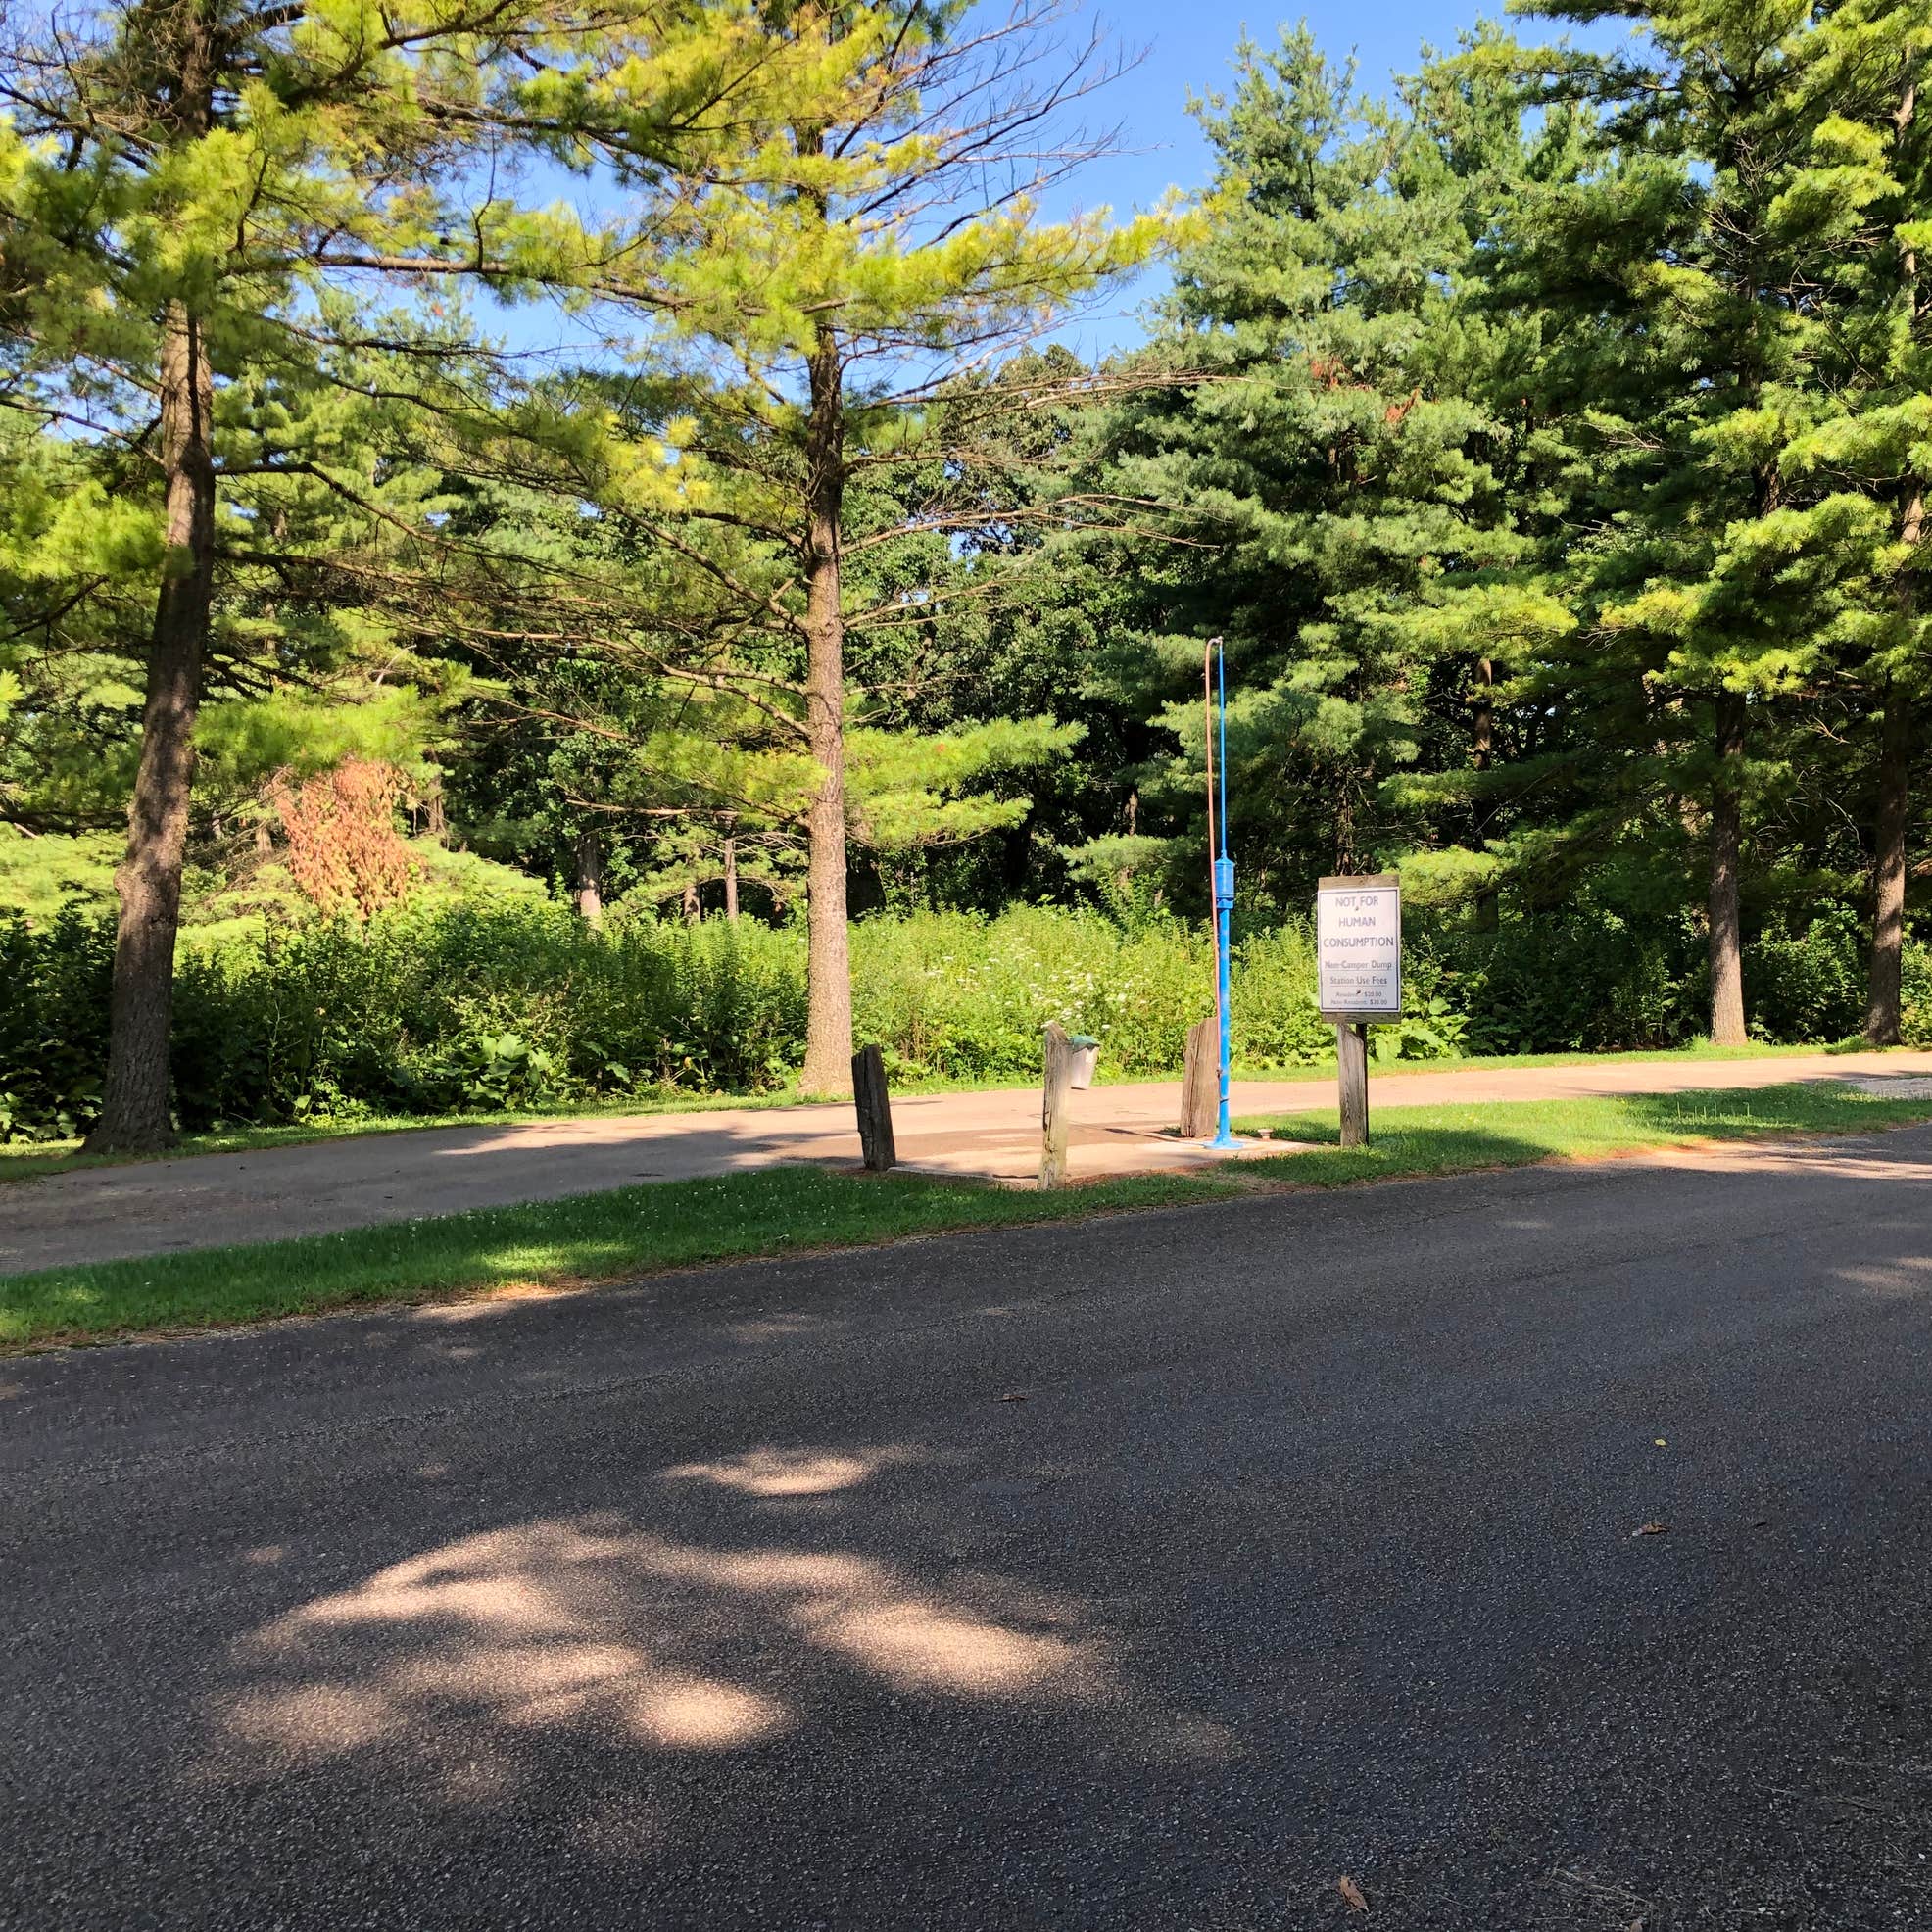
516 1003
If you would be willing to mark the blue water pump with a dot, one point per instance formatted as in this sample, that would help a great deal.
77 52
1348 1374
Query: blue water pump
1224 907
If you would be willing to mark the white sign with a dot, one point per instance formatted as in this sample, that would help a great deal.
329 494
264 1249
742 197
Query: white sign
1358 946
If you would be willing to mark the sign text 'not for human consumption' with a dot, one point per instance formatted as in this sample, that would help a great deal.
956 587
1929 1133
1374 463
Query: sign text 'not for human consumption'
1358 946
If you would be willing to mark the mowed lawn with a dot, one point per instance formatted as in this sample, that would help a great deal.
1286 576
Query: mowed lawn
1447 1139
787 1210
579 1239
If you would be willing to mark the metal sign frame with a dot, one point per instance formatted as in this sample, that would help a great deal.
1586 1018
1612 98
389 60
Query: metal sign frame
1377 882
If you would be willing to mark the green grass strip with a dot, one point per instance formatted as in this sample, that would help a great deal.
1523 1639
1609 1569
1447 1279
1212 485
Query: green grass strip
586 1237
787 1210
1450 1140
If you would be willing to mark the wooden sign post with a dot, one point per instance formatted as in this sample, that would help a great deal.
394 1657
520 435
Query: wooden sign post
1352 1077
875 1110
1054 1107
1357 957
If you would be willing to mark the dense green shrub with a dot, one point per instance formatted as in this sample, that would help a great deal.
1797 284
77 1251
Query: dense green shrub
508 1004
481 1005
52 1024
1586 981
1276 1020
953 996
1809 985
1915 997
517 1004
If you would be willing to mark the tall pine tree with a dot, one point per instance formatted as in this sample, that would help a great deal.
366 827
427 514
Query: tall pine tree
816 292
188 190
1329 464
1690 275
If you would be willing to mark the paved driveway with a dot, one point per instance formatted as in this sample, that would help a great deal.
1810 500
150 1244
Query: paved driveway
157 1207
1152 1572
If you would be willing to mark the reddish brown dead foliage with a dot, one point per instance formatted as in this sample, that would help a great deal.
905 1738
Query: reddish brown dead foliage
344 851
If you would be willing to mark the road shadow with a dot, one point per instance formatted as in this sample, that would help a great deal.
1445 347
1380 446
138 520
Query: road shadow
634 1685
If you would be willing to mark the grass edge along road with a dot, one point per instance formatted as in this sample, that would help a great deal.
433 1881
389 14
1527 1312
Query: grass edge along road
28 1160
589 1239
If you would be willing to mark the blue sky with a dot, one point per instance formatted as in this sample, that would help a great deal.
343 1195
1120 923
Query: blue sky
1188 45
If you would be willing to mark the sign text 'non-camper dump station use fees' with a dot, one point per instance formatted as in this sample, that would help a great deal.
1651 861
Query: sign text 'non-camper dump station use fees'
1358 946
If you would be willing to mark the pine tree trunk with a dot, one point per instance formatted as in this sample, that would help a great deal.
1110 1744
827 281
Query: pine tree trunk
1884 987
1888 926
693 911
1885 982
435 821
1483 736
730 879
134 1105
1727 836
828 1067
1344 835
590 878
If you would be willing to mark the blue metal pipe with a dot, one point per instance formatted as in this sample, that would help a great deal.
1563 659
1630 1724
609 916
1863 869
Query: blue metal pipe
1224 907
1221 705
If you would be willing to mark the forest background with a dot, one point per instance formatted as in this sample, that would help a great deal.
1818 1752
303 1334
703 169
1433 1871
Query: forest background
561 552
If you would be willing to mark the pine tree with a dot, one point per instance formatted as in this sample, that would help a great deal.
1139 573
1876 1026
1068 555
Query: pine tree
823 288
1865 416
625 710
189 190
1328 460
1690 272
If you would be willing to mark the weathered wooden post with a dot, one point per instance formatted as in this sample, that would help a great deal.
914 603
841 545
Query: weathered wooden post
1200 1081
1054 1107
875 1109
1352 1071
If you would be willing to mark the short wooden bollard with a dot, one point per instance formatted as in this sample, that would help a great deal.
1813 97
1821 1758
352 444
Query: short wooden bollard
875 1109
1200 1081
1054 1107
1352 1073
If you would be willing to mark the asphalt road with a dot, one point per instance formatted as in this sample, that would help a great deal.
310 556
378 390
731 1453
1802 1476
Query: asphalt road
1152 1572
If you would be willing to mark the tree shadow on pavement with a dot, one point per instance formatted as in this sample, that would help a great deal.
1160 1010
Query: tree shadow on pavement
638 1682
1153 1572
